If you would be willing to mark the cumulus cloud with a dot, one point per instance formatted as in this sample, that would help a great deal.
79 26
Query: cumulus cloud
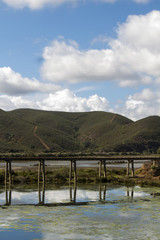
141 32
38 4
13 83
63 100
134 57
65 62
142 104
13 102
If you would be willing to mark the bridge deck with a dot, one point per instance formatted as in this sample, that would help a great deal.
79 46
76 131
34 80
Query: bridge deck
79 158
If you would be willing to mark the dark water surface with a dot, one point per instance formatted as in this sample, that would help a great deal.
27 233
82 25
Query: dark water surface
82 212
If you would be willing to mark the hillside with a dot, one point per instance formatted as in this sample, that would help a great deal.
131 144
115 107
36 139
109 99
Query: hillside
28 130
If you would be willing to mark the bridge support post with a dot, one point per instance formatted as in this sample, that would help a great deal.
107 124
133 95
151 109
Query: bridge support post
41 171
75 171
154 163
100 168
104 164
41 176
8 172
70 170
104 168
132 166
128 167
73 167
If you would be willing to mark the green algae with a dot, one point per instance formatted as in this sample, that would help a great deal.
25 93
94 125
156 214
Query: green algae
130 217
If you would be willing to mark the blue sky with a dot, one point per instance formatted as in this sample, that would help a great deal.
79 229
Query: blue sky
77 55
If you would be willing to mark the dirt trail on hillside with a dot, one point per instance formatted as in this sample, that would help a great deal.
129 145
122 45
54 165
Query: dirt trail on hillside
113 117
39 138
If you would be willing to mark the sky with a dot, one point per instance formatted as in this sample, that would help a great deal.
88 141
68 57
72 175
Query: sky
80 56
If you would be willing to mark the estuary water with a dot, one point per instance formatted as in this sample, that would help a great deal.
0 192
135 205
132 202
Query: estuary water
80 212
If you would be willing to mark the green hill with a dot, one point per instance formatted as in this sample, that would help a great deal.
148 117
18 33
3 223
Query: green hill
28 130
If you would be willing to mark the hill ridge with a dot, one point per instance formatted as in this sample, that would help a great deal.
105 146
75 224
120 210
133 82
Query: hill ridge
85 131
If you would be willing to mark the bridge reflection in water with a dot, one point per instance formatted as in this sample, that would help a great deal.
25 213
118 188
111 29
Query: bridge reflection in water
72 196
72 173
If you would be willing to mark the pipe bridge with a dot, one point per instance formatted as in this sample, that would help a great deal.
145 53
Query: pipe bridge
101 161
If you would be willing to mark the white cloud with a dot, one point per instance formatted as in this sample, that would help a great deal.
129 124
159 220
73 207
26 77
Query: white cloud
146 94
134 57
65 62
141 32
13 83
142 104
65 100
142 1
38 4
13 102
84 89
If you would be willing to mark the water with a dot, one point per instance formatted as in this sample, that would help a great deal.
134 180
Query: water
82 212
79 164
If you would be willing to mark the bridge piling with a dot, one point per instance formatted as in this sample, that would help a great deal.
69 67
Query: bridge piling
73 167
100 168
8 172
104 168
70 170
41 171
104 164
128 167
132 167
75 171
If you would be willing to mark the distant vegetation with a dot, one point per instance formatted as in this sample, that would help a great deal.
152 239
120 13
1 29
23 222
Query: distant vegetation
31 131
